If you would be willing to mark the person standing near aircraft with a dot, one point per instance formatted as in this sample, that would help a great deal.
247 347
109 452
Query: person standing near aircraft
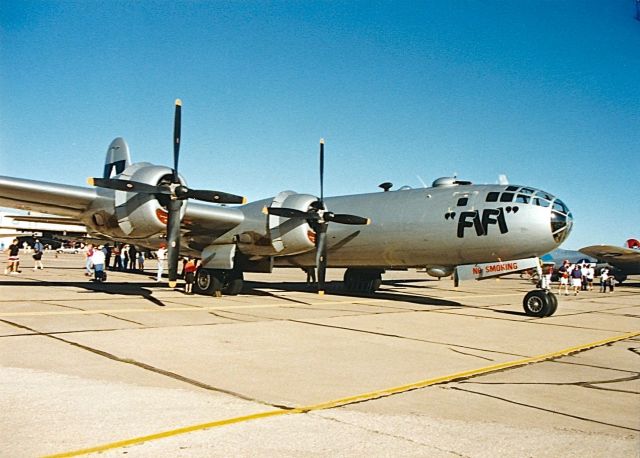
88 252
38 251
124 254
591 273
584 270
576 279
563 273
107 256
97 259
546 277
133 257
189 274
13 262
162 256
604 279
117 260
140 260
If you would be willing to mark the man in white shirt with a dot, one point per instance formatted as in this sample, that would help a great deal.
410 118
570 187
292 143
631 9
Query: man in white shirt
162 255
97 259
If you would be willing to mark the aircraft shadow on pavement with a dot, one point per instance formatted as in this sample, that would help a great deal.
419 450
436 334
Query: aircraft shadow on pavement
336 289
116 288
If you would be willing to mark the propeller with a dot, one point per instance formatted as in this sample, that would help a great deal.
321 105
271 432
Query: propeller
177 193
319 218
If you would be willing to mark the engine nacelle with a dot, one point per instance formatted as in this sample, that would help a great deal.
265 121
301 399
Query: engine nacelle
279 236
291 235
142 215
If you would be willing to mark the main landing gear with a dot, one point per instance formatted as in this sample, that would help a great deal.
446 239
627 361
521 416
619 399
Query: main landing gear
540 303
214 282
363 281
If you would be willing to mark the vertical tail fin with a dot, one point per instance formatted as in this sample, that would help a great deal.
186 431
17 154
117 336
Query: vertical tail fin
118 158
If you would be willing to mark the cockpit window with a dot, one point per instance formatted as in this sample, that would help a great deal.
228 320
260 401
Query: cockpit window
526 191
492 196
560 206
561 221
512 188
522 199
544 195
541 202
462 201
506 197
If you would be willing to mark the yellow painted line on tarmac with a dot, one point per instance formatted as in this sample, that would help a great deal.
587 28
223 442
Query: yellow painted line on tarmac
351 399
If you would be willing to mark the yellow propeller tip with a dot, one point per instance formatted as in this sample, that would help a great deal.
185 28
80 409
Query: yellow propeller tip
172 284
178 102
90 181
368 221
321 293
265 211
322 141
244 200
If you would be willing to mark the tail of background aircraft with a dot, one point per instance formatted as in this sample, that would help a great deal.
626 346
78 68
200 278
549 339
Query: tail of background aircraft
633 243
118 158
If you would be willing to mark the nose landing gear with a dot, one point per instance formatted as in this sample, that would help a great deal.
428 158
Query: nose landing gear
540 303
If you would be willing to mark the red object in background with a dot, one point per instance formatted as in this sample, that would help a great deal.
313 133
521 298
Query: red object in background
633 243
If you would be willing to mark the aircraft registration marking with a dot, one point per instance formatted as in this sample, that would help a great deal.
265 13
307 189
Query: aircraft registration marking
351 399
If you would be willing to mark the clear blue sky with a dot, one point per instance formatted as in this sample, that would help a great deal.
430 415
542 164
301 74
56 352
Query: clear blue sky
546 92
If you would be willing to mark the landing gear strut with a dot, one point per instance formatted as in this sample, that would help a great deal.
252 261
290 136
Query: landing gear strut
365 281
540 303
214 282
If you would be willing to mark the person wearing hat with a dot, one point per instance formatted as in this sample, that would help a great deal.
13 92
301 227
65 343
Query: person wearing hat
97 259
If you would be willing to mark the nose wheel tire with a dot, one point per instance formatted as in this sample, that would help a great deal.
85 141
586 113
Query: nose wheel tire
540 303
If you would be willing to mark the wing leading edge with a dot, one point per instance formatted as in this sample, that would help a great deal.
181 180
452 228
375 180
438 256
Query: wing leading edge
45 197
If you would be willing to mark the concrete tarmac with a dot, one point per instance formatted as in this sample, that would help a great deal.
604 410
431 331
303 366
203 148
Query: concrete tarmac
421 368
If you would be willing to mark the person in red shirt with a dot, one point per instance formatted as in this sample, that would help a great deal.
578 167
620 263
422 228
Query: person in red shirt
189 274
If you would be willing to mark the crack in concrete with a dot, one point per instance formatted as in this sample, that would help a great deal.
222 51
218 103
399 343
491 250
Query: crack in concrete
544 409
383 334
384 433
149 368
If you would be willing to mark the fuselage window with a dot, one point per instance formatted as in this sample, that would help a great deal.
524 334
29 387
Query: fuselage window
522 199
492 197
462 201
506 197
541 202
512 188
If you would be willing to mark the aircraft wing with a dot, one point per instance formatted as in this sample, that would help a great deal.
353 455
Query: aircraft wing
614 255
45 197
210 221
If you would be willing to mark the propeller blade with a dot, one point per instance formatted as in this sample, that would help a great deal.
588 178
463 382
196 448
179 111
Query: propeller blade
346 219
322 172
291 213
173 239
129 186
216 197
321 256
177 123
